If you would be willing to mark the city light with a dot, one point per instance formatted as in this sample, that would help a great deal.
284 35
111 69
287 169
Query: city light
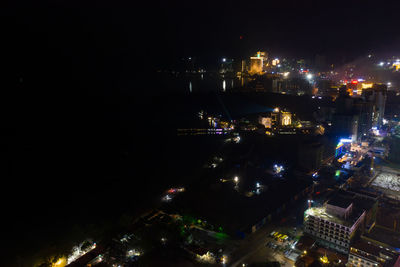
309 76
166 198
381 63
77 252
324 260
224 60
278 168
60 262
276 109
345 140
236 179
237 139
224 259
133 252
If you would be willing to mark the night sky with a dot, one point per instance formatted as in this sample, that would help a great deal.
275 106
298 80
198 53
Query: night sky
118 37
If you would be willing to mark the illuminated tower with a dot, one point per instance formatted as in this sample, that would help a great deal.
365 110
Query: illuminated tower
257 63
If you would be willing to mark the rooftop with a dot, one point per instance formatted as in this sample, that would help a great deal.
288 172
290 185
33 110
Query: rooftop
385 236
371 251
320 212
344 198
340 201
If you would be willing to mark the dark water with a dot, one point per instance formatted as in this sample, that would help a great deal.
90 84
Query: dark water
187 83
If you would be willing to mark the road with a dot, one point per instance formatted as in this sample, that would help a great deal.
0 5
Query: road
250 245
253 247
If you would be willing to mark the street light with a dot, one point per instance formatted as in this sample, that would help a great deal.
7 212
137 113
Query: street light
236 179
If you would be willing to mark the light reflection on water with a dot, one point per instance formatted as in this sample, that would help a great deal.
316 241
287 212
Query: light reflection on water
197 83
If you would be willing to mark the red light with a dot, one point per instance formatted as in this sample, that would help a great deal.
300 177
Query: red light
317 193
241 37
354 82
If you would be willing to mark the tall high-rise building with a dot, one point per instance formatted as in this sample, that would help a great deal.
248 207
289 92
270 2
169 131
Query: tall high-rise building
377 96
257 63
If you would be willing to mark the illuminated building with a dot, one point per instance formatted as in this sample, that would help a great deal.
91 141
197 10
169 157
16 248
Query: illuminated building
377 96
366 85
345 125
337 222
356 88
396 66
286 118
275 62
366 254
257 63
353 88
343 146
364 109
266 121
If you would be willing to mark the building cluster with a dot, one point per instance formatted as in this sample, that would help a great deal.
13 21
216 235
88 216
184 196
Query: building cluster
358 109
356 224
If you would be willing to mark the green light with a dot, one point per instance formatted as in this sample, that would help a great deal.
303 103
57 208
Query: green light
337 174
221 236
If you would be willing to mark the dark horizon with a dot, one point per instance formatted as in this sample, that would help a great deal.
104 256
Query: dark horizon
149 36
